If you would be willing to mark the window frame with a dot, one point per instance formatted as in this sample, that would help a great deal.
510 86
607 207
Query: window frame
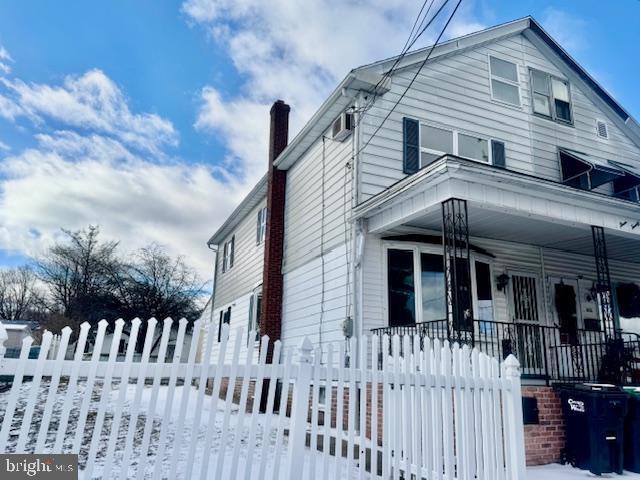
417 249
228 253
516 84
552 103
455 133
261 232
253 313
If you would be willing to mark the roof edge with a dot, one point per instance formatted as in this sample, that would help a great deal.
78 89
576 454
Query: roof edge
249 202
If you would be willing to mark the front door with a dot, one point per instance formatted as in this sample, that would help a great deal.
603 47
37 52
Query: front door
565 299
525 309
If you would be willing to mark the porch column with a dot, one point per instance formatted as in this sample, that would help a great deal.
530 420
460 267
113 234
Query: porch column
457 273
612 362
603 282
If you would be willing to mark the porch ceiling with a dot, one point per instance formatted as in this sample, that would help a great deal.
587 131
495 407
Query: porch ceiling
501 225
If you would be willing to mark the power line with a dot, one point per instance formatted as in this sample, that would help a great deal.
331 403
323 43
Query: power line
408 44
416 74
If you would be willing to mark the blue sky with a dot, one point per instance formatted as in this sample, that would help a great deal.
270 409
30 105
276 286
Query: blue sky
149 118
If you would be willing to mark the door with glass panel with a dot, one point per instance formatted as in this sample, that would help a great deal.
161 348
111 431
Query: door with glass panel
524 338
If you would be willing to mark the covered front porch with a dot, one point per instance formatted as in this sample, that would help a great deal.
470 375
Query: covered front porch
510 264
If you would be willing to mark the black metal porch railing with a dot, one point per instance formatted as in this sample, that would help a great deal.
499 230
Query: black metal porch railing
544 352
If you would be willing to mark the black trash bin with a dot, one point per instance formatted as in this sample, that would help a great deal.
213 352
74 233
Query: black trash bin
594 426
632 431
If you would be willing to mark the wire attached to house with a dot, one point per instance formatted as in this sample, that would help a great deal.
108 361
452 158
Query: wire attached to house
407 46
322 217
416 74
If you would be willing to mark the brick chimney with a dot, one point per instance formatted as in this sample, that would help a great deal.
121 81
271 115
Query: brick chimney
271 315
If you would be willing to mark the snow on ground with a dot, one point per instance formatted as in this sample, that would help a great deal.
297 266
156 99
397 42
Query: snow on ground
160 421
567 472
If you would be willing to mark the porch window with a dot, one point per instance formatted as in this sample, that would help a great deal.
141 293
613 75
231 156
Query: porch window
401 285
628 300
433 292
627 186
484 295
551 96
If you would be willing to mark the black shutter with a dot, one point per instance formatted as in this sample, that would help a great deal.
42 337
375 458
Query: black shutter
497 152
411 135
258 227
220 325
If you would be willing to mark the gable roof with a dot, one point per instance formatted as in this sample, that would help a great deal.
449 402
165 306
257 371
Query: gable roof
532 30
366 78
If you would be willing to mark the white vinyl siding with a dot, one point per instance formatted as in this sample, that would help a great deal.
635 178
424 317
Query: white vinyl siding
246 272
455 91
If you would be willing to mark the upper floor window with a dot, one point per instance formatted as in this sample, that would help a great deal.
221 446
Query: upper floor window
435 142
551 96
228 254
505 86
261 225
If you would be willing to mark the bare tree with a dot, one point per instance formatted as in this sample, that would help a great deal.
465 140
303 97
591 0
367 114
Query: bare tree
153 284
78 274
19 295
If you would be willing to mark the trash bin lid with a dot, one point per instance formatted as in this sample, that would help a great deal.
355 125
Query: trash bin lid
599 387
633 391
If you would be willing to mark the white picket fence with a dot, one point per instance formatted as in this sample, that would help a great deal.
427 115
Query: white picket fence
375 408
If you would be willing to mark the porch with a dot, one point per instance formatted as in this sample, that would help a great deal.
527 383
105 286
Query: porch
510 263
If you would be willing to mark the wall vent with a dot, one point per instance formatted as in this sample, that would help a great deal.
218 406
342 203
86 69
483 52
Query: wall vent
602 130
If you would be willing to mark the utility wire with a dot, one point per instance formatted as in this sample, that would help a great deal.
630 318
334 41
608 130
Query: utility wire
416 74
408 44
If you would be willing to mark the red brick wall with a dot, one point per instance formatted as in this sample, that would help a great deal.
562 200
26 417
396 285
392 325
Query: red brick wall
271 316
544 442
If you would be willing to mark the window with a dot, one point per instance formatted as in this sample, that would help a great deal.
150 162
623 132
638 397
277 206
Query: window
228 254
433 294
484 296
415 278
551 96
255 311
261 225
401 285
473 147
225 317
437 141
504 81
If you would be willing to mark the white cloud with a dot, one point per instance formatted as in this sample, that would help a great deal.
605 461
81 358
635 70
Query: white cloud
4 146
70 181
568 30
91 102
5 59
298 52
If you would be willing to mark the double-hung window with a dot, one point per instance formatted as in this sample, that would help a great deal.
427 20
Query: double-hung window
261 225
437 141
504 81
255 312
551 96
228 254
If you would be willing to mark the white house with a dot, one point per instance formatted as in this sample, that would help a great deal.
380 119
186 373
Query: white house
484 191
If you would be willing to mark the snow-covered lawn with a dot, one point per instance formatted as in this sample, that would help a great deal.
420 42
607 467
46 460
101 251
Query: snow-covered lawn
567 472
160 421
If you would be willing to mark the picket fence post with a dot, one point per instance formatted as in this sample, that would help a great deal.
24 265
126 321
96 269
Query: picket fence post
300 405
3 338
514 416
